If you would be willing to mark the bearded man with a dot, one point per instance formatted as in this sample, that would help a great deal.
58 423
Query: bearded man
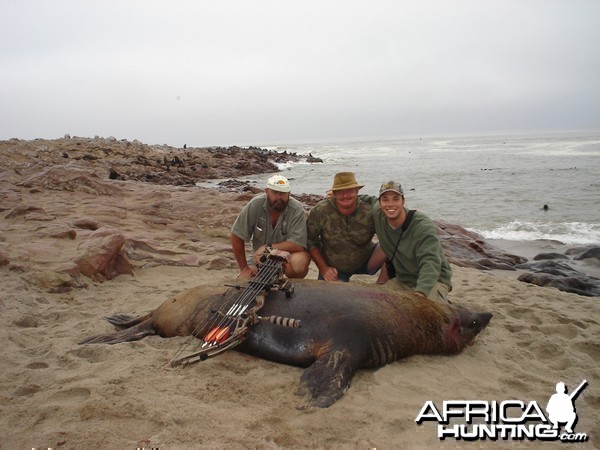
273 220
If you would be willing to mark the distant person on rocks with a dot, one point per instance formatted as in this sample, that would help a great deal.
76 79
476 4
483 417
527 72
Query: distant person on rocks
340 232
274 220
411 245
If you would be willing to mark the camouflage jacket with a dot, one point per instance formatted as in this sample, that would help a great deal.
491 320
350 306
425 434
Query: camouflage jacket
345 241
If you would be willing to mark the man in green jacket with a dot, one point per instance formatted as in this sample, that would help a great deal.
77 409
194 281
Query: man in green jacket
415 252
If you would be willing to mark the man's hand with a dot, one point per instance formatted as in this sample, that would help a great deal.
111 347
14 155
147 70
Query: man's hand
274 251
281 254
330 274
248 272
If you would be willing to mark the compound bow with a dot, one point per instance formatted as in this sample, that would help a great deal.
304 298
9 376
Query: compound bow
228 325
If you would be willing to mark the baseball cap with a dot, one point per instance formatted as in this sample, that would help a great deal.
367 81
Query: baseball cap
391 186
279 183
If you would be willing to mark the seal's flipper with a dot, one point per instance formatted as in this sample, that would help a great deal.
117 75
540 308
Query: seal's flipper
135 333
125 321
328 378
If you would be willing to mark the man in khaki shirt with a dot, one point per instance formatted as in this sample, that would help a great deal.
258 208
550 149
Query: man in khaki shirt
276 220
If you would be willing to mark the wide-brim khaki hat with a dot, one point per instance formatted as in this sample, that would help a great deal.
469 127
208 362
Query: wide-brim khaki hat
345 180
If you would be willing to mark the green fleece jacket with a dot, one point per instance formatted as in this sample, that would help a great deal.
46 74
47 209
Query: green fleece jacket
419 260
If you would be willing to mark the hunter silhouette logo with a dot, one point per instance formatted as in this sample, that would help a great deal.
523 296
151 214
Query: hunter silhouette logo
509 419
560 406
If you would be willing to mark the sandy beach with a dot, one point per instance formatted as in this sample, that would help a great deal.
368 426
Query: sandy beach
56 393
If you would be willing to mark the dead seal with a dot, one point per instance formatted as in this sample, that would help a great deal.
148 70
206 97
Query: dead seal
345 327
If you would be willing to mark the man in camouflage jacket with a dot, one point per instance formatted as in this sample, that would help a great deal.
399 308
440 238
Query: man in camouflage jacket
340 232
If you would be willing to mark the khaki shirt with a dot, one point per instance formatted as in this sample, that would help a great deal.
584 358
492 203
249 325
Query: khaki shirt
254 223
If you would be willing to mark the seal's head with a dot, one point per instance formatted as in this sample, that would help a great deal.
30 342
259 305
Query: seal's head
464 328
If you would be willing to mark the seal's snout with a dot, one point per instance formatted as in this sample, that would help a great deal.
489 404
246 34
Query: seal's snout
477 325
478 322
471 325
484 319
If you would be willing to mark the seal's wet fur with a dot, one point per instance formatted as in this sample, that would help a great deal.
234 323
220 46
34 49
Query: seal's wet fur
345 326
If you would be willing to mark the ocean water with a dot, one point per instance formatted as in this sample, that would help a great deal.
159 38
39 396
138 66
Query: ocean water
494 185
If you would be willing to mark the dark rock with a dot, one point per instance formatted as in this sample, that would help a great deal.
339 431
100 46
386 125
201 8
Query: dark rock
468 249
239 186
311 159
561 276
553 267
576 250
593 252
542 256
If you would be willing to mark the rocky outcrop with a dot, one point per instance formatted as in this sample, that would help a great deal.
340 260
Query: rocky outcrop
555 270
545 256
560 276
311 159
588 253
468 249
124 160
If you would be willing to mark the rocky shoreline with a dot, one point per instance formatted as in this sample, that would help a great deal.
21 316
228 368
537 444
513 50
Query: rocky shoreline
41 178
159 164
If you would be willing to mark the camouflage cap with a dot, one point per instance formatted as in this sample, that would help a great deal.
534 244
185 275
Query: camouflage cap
391 186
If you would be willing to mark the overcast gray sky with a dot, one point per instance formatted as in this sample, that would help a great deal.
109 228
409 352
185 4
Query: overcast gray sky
269 72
